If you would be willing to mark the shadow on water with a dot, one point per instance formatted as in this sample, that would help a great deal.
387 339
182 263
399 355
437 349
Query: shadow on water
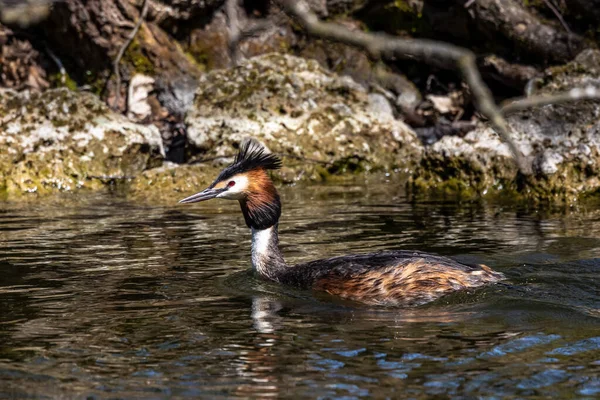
105 298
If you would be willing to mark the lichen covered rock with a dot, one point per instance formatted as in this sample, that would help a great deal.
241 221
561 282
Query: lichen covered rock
561 143
171 182
297 108
61 140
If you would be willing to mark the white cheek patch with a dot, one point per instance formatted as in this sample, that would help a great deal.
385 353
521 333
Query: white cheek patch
236 192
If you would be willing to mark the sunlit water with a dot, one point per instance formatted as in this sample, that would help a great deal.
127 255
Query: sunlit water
103 298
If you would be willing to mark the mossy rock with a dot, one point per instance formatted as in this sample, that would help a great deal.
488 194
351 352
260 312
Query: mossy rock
561 143
171 182
322 121
61 140
134 56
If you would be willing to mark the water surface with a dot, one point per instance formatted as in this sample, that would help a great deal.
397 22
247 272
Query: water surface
104 298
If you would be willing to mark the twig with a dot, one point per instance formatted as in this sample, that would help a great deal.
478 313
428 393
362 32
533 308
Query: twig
482 97
132 35
428 51
59 64
587 93
560 18
558 15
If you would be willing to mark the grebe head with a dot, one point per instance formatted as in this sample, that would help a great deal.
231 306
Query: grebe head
247 181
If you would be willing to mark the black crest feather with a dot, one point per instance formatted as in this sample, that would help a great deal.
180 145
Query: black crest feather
251 155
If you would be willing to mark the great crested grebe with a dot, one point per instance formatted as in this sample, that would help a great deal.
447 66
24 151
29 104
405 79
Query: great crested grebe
391 278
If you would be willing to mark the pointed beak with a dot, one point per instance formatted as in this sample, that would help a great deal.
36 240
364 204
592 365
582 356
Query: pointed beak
206 194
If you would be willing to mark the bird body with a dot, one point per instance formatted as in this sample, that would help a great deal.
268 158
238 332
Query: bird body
389 278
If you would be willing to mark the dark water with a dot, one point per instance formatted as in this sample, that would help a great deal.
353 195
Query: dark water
109 299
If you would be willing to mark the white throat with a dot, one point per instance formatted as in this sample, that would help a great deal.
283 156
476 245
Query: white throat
267 259
262 242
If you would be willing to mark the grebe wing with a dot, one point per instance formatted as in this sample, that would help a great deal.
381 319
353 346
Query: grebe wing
392 277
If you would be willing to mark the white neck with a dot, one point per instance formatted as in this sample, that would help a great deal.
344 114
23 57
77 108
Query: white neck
267 260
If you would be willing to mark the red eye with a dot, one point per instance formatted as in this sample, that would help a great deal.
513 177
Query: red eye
230 184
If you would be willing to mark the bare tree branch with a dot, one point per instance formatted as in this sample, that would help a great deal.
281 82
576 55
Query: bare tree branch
482 97
132 35
576 94
428 51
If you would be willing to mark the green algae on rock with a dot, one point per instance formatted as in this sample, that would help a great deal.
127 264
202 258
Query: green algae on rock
171 182
301 110
61 140
561 143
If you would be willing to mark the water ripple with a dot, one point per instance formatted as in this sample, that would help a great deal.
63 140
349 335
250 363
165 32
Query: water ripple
102 298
